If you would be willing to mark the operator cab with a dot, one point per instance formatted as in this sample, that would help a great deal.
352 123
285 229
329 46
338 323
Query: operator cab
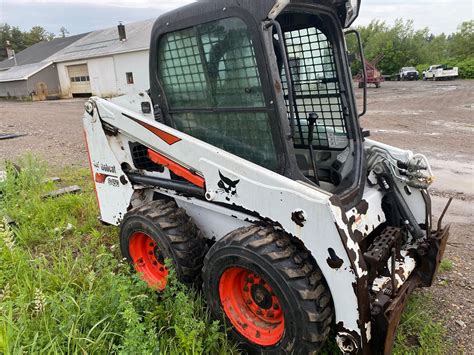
222 74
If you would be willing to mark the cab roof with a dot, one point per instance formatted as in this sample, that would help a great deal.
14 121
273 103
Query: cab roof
260 10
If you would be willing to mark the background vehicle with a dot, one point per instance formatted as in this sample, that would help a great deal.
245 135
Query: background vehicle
374 76
440 72
408 73
247 168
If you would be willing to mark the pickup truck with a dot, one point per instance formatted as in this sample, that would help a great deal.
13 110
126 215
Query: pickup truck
408 73
439 72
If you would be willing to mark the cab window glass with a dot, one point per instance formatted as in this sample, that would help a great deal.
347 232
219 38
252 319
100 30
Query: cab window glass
212 84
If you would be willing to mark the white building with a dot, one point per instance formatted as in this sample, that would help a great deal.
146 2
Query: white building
104 63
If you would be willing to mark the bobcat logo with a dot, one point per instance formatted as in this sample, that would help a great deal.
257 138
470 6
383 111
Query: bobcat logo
227 186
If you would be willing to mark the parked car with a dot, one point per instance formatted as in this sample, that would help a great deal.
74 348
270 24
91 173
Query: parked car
440 72
408 73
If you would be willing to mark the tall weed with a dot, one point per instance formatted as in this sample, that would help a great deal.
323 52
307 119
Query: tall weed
64 288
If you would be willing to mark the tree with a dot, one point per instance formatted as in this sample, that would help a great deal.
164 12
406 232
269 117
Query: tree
462 42
63 32
37 34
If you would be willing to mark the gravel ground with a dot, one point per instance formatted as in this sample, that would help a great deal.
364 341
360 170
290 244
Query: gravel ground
433 118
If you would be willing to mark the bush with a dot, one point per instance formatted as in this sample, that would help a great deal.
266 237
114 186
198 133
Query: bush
466 68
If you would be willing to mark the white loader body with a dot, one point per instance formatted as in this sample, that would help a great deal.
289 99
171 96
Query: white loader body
259 195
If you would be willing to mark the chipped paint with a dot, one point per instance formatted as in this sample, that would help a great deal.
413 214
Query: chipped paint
403 269
368 330
351 245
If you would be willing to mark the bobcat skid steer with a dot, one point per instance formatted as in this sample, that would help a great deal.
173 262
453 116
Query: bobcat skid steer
245 164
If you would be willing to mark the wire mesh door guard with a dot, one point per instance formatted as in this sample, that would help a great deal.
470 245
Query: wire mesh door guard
316 89
211 79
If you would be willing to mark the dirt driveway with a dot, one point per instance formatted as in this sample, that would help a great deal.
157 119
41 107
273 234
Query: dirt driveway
437 119
433 118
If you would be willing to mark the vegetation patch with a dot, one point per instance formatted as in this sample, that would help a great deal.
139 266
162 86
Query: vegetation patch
445 265
64 287
402 46
419 332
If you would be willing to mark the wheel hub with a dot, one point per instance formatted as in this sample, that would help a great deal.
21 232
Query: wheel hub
261 296
148 260
251 306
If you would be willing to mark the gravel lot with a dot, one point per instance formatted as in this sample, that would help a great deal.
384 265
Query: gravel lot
433 118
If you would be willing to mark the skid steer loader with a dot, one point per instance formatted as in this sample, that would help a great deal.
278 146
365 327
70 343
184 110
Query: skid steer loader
246 166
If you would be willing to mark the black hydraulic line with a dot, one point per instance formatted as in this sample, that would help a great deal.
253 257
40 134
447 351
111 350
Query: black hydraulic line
178 186
405 211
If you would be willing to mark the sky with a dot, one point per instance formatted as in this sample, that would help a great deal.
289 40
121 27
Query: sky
79 16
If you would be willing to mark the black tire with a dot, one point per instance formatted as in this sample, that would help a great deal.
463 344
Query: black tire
293 277
174 233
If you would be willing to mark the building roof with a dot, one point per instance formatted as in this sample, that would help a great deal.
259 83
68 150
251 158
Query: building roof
22 72
40 51
106 42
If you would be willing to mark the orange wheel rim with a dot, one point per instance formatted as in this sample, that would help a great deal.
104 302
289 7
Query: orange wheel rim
148 260
251 306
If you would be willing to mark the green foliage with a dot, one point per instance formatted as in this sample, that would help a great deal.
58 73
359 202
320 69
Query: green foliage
418 332
446 265
466 67
19 39
404 46
65 289
462 42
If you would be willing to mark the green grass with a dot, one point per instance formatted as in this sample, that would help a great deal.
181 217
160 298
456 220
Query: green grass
419 332
65 289
445 265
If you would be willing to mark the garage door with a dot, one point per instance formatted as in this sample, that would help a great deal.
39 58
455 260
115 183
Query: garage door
79 79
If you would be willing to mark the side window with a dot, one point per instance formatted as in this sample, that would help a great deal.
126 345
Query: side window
211 80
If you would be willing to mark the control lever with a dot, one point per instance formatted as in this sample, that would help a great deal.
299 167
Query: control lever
312 117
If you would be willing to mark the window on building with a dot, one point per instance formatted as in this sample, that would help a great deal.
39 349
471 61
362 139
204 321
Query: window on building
129 76
210 75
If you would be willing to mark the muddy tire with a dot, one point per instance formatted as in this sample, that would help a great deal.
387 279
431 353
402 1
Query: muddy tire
160 230
269 290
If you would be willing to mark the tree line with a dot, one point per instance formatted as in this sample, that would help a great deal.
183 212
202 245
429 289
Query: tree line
402 46
20 40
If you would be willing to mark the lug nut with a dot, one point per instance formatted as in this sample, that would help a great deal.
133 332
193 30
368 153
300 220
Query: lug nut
270 314
151 244
259 312
155 263
246 288
249 301
276 306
